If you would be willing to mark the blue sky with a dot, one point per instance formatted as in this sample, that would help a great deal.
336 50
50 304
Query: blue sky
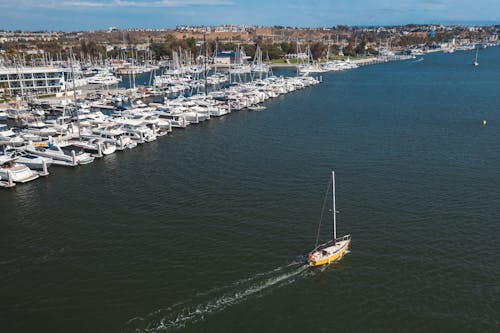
71 15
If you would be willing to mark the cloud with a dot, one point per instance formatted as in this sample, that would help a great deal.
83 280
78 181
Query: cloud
148 4
112 3
434 5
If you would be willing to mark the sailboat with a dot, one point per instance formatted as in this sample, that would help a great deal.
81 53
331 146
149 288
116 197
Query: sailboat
334 249
475 63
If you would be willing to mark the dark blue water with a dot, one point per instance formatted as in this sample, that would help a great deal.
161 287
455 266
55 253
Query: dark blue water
206 229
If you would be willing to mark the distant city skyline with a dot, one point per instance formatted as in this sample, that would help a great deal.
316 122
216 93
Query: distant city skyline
74 15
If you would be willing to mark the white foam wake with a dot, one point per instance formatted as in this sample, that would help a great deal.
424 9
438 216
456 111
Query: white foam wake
173 318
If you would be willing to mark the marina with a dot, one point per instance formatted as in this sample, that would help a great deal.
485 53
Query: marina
115 245
74 127
109 112
83 132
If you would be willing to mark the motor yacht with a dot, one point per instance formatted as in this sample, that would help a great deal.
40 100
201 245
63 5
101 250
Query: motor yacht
61 154
16 172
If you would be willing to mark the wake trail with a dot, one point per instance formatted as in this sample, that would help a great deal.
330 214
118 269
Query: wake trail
182 314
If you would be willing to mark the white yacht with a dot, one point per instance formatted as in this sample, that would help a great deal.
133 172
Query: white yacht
61 124
176 119
38 127
8 137
32 161
115 133
139 133
59 155
13 171
105 79
97 147
310 68
205 104
12 113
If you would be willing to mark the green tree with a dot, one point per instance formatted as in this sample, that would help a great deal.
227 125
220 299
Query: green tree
227 47
317 49
190 43
273 50
249 50
349 51
288 48
334 50
159 50
360 48
170 38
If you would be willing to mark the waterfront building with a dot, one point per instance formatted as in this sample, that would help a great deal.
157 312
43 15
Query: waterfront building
32 80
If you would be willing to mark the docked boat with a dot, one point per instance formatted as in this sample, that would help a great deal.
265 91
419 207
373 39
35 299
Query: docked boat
13 113
116 134
139 133
257 108
108 147
3 115
32 161
175 119
60 155
334 249
97 147
106 79
9 137
15 172
6 183
39 128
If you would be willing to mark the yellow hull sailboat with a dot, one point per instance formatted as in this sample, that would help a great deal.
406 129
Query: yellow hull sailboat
334 249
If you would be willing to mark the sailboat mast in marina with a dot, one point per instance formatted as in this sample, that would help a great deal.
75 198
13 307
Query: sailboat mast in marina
334 249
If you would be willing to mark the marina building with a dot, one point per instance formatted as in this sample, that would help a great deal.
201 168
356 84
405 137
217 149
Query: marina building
31 80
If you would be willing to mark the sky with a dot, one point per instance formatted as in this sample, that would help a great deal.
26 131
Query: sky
77 15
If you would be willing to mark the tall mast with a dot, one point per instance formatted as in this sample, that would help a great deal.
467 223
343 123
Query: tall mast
215 55
206 57
74 93
334 210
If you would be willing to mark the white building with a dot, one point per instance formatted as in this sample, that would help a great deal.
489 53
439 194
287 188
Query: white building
222 61
32 80
302 56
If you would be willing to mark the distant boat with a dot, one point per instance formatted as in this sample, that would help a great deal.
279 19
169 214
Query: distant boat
257 108
475 63
333 250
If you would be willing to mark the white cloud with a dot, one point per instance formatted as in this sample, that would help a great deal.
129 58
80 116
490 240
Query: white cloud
149 4
26 4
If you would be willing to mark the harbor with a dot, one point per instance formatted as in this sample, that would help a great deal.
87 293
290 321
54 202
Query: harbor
85 114
78 133
207 228
74 127
104 113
